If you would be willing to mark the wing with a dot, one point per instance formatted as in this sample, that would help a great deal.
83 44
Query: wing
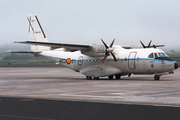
70 47
24 52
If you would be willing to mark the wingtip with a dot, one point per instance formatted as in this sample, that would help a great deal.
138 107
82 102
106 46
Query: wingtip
7 51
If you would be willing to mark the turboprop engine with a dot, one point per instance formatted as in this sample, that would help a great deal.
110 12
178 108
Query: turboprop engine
95 51
100 50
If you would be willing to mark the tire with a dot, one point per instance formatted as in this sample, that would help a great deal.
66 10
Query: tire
88 77
118 76
156 77
110 77
96 78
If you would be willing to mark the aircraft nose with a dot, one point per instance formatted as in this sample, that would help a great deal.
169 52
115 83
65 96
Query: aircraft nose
176 66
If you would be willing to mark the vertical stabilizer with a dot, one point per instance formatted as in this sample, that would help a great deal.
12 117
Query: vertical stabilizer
36 33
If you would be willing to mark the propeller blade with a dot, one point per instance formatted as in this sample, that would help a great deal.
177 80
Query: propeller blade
112 43
105 44
107 54
142 44
154 46
158 45
114 57
149 45
108 50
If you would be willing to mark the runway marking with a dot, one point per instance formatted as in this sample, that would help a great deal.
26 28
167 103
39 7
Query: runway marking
12 116
91 99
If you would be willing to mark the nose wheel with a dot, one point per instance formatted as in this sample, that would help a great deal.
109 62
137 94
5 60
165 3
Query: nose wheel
156 77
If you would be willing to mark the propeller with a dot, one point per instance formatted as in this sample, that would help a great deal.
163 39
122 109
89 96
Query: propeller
109 50
149 45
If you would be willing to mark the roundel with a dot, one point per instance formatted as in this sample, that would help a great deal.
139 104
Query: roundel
68 61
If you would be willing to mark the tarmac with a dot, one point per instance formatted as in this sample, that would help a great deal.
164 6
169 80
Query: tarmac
71 89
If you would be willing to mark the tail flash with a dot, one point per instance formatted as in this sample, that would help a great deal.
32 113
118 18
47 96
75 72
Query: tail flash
36 33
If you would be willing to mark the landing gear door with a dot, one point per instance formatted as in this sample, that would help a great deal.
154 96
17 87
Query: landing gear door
132 60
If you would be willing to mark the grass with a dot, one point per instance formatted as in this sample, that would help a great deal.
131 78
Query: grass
175 57
19 62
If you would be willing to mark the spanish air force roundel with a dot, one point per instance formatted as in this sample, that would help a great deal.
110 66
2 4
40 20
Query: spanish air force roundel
68 61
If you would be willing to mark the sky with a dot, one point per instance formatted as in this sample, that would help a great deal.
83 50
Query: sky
89 21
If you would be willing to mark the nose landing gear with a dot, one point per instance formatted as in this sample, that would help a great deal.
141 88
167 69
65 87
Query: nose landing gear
156 77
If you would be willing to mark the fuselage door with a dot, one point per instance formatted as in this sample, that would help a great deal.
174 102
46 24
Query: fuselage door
132 60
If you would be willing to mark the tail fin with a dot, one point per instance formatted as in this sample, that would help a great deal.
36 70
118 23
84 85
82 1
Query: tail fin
36 33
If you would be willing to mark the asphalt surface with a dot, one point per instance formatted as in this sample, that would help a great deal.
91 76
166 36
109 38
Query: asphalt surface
57 93
41 109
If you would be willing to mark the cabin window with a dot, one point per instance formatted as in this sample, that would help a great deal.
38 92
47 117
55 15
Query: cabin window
151 55
138 59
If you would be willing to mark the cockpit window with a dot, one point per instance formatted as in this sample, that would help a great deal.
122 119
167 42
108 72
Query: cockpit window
156 56
151 55
166 55
161 55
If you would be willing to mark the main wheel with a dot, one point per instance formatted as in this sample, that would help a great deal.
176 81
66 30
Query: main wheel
88 77
96 78
118 76
156 77
110 77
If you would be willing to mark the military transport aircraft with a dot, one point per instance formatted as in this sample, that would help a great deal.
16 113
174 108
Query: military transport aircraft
95 60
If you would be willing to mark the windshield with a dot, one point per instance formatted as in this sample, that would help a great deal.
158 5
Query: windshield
166 55
162 55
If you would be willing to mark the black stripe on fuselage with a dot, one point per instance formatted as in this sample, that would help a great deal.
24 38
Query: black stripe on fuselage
165 58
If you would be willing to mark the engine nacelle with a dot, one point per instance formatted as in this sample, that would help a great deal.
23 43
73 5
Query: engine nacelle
95 50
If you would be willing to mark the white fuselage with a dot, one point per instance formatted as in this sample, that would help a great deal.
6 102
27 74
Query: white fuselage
134 61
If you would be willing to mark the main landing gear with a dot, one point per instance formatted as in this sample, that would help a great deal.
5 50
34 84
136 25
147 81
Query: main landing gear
89 78
156 77
118 76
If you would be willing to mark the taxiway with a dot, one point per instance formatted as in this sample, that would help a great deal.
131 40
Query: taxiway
60 83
